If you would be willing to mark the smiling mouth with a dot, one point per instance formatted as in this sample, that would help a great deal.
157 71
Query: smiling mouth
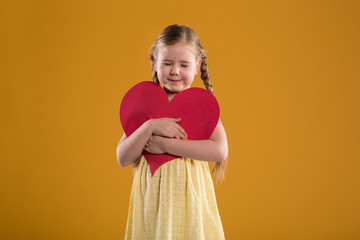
175 80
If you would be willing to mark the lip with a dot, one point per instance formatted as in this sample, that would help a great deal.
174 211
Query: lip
175 80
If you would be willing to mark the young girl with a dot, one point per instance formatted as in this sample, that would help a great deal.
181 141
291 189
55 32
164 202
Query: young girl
178 201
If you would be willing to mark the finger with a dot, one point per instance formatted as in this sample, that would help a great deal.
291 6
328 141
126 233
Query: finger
178 131
173 133
177 119
181 135
179 127
184 138
181 130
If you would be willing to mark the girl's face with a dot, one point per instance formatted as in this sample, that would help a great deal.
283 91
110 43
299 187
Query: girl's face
176 67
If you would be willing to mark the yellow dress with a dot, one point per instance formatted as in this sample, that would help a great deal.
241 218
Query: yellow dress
178 202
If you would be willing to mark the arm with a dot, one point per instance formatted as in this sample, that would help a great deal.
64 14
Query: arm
214 149
130 148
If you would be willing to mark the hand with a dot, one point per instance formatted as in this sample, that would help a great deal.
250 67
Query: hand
155 145
168 127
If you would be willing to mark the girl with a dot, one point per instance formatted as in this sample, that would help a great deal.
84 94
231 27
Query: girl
178 202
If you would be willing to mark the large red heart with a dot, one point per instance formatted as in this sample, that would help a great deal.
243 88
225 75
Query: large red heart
197 107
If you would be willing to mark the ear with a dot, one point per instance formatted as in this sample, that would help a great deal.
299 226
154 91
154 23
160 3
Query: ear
155 65
198 66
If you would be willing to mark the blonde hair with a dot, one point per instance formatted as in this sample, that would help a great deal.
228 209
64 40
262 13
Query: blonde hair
169 36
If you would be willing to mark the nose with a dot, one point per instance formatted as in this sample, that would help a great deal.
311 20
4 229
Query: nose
175 69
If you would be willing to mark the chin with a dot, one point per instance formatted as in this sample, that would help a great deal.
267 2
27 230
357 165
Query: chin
175 90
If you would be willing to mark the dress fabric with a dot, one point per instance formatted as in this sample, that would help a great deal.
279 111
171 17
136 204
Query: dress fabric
178 202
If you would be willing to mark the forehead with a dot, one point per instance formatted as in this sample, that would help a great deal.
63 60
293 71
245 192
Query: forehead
176 52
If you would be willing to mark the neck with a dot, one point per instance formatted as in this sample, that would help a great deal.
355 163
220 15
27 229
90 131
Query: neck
170 95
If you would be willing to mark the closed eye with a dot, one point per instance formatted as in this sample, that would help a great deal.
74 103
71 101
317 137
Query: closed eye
168 64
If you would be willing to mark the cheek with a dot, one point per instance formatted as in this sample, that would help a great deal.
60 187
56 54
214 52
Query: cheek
189 73
163 70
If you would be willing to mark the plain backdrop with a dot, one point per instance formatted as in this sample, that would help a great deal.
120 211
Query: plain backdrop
285 73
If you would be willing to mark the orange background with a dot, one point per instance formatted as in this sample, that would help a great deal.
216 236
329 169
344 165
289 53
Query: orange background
286 75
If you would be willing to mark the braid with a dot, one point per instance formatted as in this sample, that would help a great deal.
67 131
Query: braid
219 167
205 74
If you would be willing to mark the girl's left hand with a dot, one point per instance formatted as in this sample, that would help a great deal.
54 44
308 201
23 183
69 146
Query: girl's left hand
155 145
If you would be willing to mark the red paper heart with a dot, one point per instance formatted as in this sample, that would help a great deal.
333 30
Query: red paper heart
197 107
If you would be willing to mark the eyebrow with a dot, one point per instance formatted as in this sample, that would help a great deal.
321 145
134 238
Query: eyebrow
166 60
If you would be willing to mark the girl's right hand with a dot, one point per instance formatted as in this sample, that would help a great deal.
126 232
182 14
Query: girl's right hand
168 127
